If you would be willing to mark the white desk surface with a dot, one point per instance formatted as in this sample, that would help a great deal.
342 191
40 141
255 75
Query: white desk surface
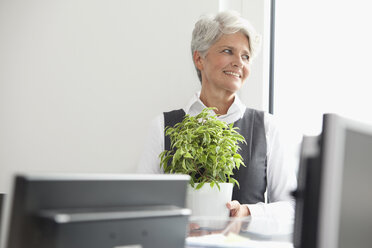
246 232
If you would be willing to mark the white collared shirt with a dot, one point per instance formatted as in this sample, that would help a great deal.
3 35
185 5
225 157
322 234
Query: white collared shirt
281 174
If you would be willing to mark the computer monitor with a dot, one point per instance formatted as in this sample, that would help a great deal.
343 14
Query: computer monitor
2 196
98 211
334 200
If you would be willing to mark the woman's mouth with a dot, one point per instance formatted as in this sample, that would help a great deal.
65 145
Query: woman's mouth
235 74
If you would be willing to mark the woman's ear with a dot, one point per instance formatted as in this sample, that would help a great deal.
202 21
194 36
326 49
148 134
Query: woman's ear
198 60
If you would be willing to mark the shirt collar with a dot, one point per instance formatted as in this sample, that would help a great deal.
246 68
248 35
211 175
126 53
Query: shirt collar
195 105
235 112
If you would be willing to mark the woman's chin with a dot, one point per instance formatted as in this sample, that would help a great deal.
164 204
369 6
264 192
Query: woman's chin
234 87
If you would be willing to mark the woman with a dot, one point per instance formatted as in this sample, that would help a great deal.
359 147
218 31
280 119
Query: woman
223 47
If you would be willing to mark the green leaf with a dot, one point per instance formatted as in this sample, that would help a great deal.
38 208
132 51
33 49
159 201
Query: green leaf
200 185
212 184
192 182
218 186
218 148
187 155
237 155
234 181
177 155
222 176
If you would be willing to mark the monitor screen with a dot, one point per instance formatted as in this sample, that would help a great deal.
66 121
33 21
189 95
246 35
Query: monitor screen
334 203
98 211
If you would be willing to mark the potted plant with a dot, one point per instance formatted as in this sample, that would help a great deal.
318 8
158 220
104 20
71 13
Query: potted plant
206 149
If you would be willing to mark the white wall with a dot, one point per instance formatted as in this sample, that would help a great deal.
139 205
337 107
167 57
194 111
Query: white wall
80 80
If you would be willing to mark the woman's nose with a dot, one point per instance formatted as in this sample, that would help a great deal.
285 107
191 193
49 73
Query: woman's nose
237 62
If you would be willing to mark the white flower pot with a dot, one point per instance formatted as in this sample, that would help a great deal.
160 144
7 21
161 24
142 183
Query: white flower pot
209 202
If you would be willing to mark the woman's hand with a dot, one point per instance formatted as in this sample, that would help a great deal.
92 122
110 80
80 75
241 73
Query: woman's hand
238 210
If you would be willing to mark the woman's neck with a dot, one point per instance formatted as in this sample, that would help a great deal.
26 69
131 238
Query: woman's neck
220 100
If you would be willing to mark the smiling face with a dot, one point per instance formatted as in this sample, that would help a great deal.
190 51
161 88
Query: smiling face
226 64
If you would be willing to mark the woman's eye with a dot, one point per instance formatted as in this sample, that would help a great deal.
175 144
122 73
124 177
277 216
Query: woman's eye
245 57
227 51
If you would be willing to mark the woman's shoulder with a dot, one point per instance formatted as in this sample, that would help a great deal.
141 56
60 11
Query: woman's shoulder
158 121
269 118
175 111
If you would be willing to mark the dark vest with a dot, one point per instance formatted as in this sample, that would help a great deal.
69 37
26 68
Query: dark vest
252 178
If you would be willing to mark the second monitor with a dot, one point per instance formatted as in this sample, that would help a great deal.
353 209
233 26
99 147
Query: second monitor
334 202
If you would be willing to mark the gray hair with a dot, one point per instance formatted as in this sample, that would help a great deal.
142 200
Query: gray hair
209 29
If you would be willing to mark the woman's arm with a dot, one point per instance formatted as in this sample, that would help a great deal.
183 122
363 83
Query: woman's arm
149 161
